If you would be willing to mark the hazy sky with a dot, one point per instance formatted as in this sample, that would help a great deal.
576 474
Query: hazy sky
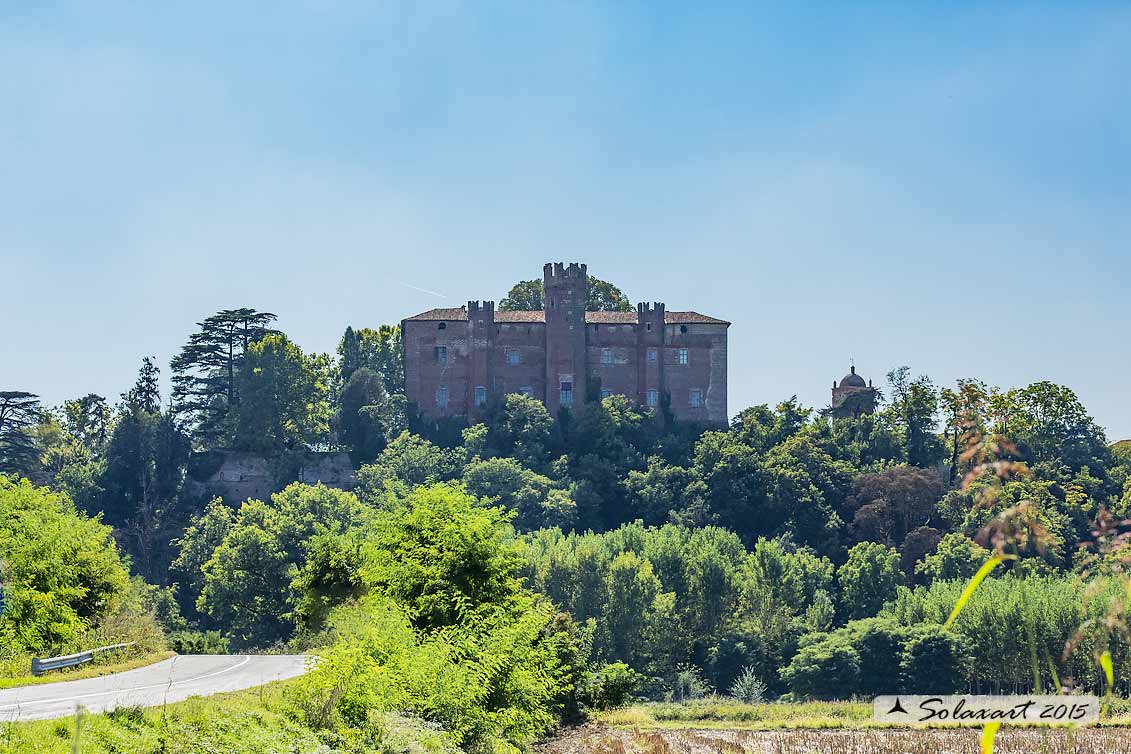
942 185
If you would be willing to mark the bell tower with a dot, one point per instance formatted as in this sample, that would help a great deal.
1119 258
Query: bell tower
565 293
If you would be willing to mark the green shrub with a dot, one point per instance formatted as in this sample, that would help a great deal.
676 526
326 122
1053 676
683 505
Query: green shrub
446 630
60 570
825 669
612 685
880 644
934 661
748 688
688 684
198 643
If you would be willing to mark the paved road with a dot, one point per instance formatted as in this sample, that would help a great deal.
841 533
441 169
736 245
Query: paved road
171 680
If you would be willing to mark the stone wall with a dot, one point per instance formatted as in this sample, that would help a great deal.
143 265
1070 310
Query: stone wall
237 476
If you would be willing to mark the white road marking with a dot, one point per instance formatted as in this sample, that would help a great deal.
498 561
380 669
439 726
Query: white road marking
132 689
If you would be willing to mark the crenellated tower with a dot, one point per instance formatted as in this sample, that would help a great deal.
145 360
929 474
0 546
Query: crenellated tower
650 343
480 339
565 293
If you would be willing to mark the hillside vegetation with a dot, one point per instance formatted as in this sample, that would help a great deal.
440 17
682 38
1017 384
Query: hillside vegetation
492 581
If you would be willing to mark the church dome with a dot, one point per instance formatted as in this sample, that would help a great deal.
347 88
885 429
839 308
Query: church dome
853 380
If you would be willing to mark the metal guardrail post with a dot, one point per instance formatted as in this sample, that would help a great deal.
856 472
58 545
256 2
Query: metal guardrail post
39 667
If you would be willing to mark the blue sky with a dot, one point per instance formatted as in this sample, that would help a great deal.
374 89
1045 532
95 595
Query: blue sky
942 185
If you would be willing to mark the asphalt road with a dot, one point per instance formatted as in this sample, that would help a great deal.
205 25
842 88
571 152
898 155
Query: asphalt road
171 680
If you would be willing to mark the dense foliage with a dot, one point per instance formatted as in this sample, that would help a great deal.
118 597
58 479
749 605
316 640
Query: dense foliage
59 571
557 562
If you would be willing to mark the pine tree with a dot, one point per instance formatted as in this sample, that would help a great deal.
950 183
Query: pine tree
19 412
205 372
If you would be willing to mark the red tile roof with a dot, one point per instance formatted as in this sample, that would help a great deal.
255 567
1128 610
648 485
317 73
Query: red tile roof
459 314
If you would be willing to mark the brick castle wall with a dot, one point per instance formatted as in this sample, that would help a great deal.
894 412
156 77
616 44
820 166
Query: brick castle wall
487 354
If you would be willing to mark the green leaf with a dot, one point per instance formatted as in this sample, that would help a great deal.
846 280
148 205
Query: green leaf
968 592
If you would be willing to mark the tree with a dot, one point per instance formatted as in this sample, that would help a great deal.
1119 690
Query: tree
869 579
606 297
205 372
763 429
19 412
1048 423
248 579
443 556
145 395
892 502
827 669
880 643
282 398
734 479
520 429
61 571
141 484
88 421
525 295
528 295
934 661
917 545
632 590
407 461
915 406
531 496
379 350
966 412
956 558
808 486
663 490
368 417
195 548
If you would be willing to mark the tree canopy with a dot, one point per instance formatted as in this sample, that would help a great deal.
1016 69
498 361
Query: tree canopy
529 295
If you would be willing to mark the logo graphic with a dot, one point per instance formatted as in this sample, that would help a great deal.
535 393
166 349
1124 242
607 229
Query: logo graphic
970 709
897 708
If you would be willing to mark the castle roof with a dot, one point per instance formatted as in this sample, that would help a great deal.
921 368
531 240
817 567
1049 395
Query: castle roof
459 314
853 380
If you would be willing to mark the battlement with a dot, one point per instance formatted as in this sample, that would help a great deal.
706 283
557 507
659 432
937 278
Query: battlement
480 309
558 273
654 310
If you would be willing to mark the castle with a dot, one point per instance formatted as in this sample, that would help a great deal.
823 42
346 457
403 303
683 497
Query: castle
458 360
852 398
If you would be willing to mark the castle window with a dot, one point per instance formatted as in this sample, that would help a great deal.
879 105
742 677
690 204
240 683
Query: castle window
480 395
514 356
683 329
606 356
442 397
442 326
648 327
566 397
653 398
696 397
441 355
606 394
651 355
683 357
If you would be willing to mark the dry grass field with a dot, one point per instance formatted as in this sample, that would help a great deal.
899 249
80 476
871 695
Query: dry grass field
601 739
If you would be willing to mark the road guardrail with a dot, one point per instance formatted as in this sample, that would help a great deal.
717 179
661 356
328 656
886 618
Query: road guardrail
39 667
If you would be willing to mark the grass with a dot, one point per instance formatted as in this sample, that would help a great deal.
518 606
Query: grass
720 713
79 673
252 721
728 714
